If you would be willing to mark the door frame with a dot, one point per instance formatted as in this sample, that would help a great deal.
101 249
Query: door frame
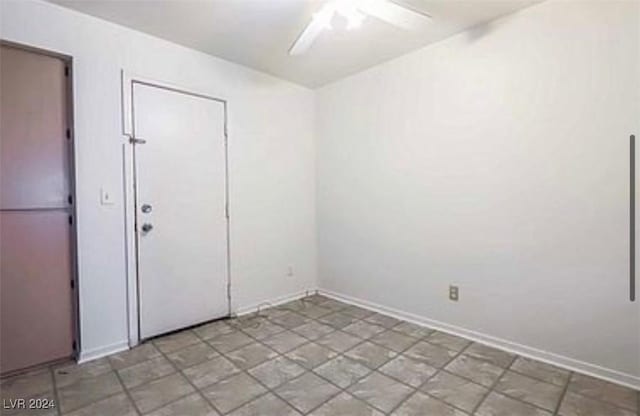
128 80
72 201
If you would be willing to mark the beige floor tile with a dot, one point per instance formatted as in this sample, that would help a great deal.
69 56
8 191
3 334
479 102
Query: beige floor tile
475 370
334 305
174 342
316 298
267 405
408 370
85 391
489 354
345 404
314 311
393 340
380 391
541 371
263 329
422 405
363 329
117 405
342 371
413 330
73 372
454 390
499 405
311 355
295 305
371 355
448 341
290 320
577 405
233 392
382 320
339 341
210 372
229 342
251 355
357 312
193 405
134 356
313 330
338 320
306 392
429 353
213 329
146 371
603 390
530 390
27 385
160 392
285 341
276 372
192 355
248 321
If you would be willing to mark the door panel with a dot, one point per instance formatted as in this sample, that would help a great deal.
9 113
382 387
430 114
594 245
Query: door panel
33 150
35 240
36 299
181 174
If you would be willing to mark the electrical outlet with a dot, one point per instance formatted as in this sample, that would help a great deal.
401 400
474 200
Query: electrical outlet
453 293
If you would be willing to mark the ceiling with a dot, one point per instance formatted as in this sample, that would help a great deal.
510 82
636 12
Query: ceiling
258 33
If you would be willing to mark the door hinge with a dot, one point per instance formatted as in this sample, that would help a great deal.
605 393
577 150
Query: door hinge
134 140
226 210
68 133
66 71
70 199
73 284
70 219
74 345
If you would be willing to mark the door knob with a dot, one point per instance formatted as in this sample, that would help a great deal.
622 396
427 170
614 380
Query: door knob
147 227
146 208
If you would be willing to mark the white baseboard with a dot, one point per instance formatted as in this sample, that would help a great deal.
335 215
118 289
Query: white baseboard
94 354
273 302
568 363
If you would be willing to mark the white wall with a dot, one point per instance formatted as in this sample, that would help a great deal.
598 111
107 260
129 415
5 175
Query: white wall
496 160
272 182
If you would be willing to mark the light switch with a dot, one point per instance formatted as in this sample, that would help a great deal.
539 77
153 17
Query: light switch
106 197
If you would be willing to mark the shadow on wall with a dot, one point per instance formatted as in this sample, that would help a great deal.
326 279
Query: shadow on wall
479 31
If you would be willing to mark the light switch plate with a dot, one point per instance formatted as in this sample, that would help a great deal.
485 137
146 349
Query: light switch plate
106 197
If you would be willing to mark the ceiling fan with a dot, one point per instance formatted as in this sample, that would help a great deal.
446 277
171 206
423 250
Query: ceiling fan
355 12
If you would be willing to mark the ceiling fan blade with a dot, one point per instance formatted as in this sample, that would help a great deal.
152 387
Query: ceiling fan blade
394 14
306 38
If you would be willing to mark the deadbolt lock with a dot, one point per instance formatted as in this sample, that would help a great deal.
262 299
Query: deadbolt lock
146 208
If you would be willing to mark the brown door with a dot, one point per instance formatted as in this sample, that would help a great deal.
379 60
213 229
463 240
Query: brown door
35 239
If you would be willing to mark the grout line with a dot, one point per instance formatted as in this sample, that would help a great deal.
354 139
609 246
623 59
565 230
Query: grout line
439 370
126 391
493 385
564 393
179 371
54 384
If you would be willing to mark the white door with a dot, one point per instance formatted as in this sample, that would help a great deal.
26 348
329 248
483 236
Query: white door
181 224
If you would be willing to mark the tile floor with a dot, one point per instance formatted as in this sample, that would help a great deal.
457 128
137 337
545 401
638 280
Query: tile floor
319 357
